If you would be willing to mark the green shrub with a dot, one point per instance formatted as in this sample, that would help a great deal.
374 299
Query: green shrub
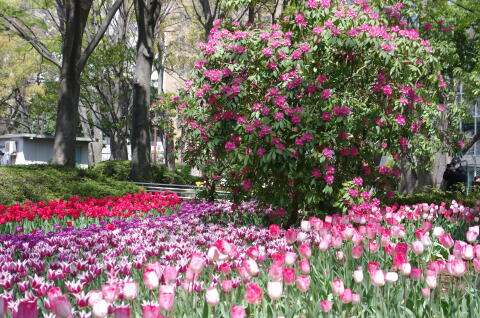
435 195
120 170
46 182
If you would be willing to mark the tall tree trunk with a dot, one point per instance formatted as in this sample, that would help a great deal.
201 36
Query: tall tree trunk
73 62
147 17
118 146
67 108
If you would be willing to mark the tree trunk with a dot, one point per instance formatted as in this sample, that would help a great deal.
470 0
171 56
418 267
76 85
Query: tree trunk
147 17
67 109
251 13
118 147
168 150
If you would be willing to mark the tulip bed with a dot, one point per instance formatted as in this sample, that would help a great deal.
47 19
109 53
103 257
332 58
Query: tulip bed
409 261
79 212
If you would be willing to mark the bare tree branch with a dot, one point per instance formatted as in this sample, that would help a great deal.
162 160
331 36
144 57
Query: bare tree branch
32 39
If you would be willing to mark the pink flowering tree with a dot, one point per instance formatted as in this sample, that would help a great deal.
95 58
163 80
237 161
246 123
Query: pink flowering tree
291 113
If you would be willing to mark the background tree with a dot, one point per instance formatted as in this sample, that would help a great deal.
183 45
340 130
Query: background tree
70 19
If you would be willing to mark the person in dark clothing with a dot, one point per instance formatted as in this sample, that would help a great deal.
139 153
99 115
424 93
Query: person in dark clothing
455 175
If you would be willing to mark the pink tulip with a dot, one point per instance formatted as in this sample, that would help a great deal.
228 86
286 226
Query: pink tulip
406 269
274 230
373 247
238 312
121 312
61 307
446 240
288 276
252 267
305 226
253 252
278 258
346 296
377 278
276 273
166 297
225 268
170 274
303 283
243 273
130 290
304 266
93 296
438 231
468 252
188 286
290 258
372 266
305 250
253 293
53 292
227 285
355 298
212 296
457 267
358 275
291 236
326 305
477 250
191 275
431 279
426 292
197 262
417 247
110 292
416 274
339 256
100 309
150 279
337 287
357 251
150 310
472 236
274 290
316 223
476 264
156 267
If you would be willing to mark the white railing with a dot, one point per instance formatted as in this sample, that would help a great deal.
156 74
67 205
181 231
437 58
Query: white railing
182 190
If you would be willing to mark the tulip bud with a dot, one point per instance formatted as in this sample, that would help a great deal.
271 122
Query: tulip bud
227 285
253 293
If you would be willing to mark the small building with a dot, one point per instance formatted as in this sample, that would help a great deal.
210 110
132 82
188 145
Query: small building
25 149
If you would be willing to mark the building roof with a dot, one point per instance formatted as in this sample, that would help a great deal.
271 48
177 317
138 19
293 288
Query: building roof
35 136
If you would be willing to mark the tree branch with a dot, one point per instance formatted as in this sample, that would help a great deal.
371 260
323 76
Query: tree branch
33 40
98 36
